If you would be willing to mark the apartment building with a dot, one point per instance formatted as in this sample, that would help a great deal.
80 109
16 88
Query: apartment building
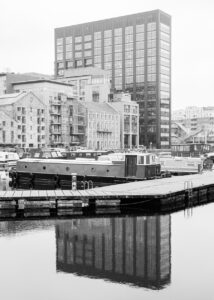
89 84
26 114
8 130
129 120
103 126
48 91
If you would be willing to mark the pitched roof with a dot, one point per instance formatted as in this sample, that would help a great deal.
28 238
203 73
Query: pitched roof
4 115
100 107
89 71
41 81
8 99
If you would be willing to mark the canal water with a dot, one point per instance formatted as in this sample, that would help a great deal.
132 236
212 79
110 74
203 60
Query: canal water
121 257
160 256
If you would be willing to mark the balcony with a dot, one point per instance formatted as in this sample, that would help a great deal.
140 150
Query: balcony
55 112
104 130
56 131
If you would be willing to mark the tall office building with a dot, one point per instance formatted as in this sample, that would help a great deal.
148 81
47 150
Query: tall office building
136 51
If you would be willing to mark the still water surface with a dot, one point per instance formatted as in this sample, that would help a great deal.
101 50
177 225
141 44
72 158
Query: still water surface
140 257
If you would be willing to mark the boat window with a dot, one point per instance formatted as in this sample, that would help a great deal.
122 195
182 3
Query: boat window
103 158
36 155
153 159
54 154
46 155
141 160
147 160
88 154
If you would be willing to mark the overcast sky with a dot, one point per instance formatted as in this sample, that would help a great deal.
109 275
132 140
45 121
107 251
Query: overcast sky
27 38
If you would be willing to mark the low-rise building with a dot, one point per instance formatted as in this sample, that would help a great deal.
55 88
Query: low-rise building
90 84
28 113
8 130
129 120
68 123
103 126
48 91
8 78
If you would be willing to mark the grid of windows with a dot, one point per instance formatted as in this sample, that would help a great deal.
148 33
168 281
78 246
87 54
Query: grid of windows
164 79
118 39
97 49
151 52
121 49
69 51
108 51
128 57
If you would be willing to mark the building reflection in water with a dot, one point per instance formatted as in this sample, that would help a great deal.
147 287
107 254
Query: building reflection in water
133 250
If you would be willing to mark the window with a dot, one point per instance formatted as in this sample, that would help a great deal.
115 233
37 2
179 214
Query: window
69 64
87 38
129 63
59 41
107 57
68 48
107 33
107 49
107 42
78 47
59 56
129 47
68 55
87 45
129 55
118 32
129 30
88 62
78 39
60 72
140 78
139 62
139 28
97 59
97 35
87 53
78 63
118 56
118 48
60 65
139 37
118 40
59 49
97 51
140 45
151 26
78 54
129 38
108 65
68 40
139 70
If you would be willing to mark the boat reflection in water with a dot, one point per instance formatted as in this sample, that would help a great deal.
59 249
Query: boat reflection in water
132 250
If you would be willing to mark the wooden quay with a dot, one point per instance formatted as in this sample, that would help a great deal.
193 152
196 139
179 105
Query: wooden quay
166 194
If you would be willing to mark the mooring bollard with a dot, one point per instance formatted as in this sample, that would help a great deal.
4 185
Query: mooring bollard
74 181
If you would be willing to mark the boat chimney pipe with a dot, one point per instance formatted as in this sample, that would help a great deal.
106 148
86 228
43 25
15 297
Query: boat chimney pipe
74 181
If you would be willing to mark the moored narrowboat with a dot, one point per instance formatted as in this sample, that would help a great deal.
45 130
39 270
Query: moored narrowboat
108 169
